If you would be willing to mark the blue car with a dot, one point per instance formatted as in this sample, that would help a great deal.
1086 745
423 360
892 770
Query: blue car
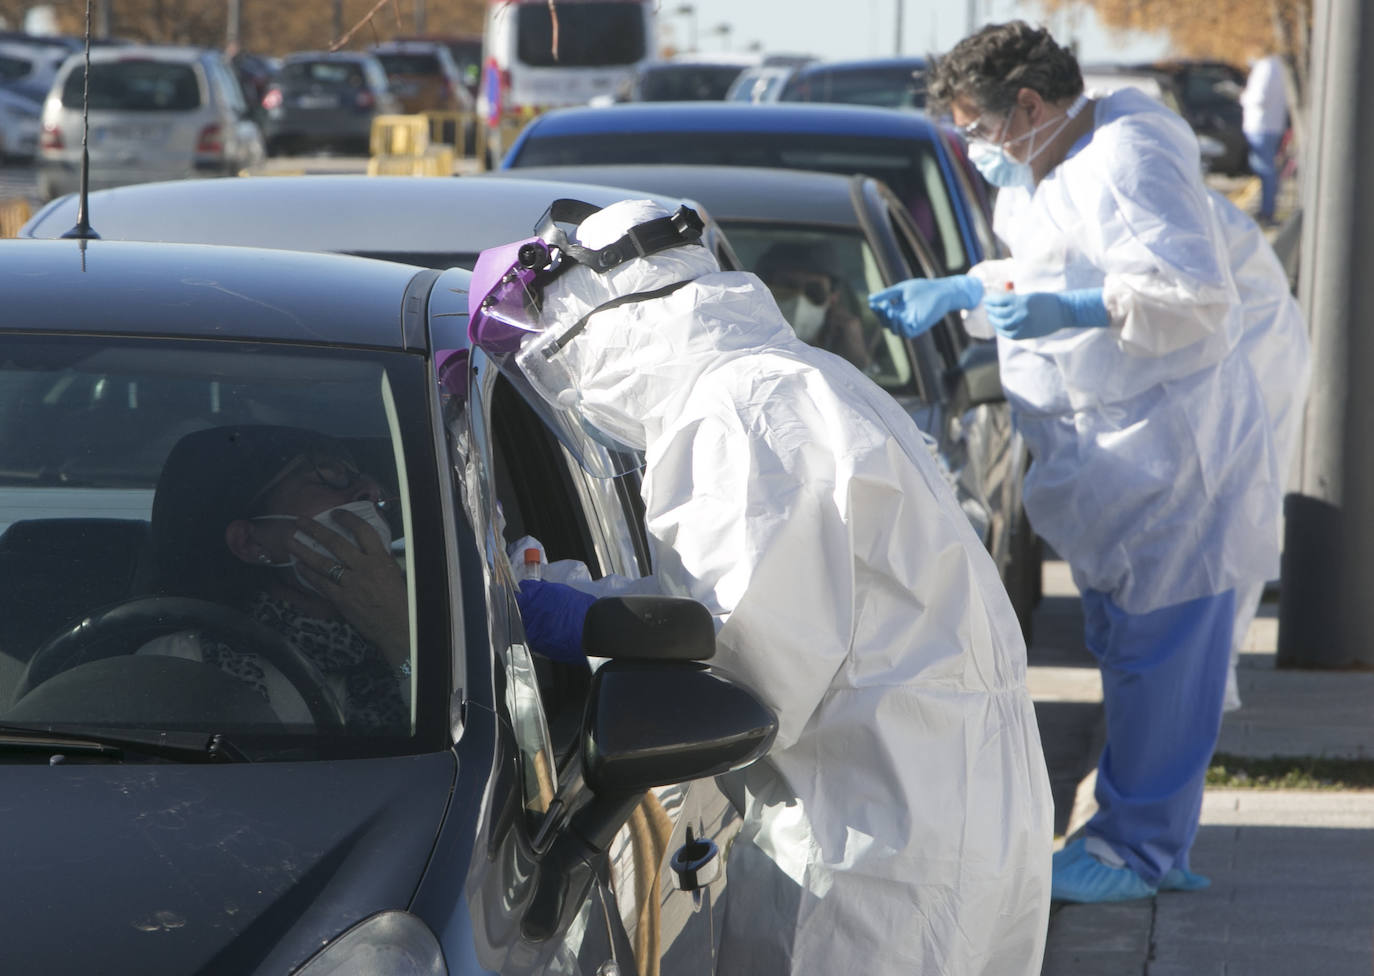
880 82
922 162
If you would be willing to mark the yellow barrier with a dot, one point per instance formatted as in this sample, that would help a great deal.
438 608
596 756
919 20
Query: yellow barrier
441 124
435 161
13 215
399 135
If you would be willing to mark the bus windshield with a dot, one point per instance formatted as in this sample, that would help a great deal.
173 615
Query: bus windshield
590 35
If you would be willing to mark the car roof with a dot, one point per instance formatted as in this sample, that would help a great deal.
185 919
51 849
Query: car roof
137 52
731 117
743 193
354 214
862 64
117 287
328 56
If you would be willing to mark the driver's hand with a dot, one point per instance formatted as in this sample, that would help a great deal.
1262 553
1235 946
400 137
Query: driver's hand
370 593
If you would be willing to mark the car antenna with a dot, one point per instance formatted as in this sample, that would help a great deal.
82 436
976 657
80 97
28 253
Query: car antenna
83 230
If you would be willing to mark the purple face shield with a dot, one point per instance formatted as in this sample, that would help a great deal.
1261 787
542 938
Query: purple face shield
503 297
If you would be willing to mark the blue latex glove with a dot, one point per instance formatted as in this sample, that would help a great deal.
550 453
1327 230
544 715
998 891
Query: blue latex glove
1038 313
912 307
553 614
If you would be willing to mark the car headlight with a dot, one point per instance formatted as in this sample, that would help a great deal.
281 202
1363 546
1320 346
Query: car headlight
396 943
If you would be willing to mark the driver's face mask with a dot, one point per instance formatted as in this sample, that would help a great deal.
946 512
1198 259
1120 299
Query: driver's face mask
365 510
805 316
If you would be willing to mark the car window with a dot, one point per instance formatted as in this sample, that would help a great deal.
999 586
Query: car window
880 87
908 166
121 470
228 86
593 35
684 83
410 64
12 67
344 73
143 85
851 329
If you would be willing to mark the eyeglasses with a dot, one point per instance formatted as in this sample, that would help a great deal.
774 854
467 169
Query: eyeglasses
816 290
334 473
977 131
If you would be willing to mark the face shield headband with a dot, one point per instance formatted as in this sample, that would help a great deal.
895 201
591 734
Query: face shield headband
506 298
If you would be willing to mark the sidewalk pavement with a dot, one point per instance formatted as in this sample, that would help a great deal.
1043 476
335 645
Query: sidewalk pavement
1292 870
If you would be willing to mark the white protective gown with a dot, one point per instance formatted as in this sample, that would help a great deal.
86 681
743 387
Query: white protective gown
902 822
1155 473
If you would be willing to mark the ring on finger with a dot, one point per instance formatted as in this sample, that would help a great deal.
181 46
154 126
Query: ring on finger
335 572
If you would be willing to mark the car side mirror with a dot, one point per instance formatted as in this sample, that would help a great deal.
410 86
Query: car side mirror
649 628
978 377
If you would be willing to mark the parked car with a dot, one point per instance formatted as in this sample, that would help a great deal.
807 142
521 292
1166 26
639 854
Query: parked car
881 82
19 126
325 100
29 68
1209 93
760 83
156 113
433 223
184 822
466 50
424 76
685 78
921 161
948 383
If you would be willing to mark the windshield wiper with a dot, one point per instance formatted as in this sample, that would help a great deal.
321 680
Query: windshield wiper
114 743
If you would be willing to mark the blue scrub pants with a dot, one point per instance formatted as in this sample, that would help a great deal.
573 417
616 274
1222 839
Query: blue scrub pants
1263 159
1163 681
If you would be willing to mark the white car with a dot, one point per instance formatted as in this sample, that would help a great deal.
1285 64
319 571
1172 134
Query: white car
156 113
18 126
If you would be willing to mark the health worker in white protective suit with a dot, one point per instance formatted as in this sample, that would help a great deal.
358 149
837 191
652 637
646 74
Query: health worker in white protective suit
902 820
1121 334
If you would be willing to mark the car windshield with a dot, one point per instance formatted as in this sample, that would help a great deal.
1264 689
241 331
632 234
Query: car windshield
909 166
409 64
788 258
685 83
590 35
156 498
135 85
880 87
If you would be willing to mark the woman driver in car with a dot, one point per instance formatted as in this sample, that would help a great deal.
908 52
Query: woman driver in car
279 522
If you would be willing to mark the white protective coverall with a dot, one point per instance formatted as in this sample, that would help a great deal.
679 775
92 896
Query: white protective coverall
902 822
1155 474
1274 340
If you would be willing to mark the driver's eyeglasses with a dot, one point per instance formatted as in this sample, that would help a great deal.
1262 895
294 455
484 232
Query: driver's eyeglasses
335 473
978 131
816 290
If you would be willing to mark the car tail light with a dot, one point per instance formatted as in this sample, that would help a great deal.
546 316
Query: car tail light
272 99
209 143
51 137
365 100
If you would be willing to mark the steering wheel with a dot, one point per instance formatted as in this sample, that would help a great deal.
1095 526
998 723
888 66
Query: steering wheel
125 628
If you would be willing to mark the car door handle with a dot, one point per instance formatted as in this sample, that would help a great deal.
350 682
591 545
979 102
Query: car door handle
696 863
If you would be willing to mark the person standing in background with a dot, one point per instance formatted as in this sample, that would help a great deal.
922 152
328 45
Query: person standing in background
1265 118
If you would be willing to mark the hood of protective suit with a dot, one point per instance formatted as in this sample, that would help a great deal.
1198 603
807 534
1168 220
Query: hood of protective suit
632 364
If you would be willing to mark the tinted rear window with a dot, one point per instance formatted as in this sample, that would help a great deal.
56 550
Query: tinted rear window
409 64
324 73
589 34
906 165
683 83
883 88
136 86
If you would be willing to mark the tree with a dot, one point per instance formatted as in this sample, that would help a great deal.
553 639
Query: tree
1224 30
268 26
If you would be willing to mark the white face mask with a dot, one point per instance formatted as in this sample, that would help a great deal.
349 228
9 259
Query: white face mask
1002 169
365 510
805 317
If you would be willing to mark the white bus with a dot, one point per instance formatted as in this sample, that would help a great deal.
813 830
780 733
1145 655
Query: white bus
600 43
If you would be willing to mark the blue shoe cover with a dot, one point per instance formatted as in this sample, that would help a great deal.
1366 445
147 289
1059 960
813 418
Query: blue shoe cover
1087 879
1069 853
1181 879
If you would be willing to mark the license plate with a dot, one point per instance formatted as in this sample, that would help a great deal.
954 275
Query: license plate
106 134
317 101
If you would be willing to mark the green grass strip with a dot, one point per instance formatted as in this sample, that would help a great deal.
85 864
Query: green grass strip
1284 773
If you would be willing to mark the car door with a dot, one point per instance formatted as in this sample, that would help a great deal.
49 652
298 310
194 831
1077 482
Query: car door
635 907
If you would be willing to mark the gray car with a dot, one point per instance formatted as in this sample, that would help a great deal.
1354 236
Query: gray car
325 100
168 814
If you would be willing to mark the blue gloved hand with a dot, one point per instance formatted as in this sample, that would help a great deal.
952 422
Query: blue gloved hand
912 307
1038 313
553 614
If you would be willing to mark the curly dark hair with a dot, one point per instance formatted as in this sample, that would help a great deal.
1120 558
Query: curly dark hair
989 67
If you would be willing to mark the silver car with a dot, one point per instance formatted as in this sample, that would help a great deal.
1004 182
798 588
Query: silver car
156 113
